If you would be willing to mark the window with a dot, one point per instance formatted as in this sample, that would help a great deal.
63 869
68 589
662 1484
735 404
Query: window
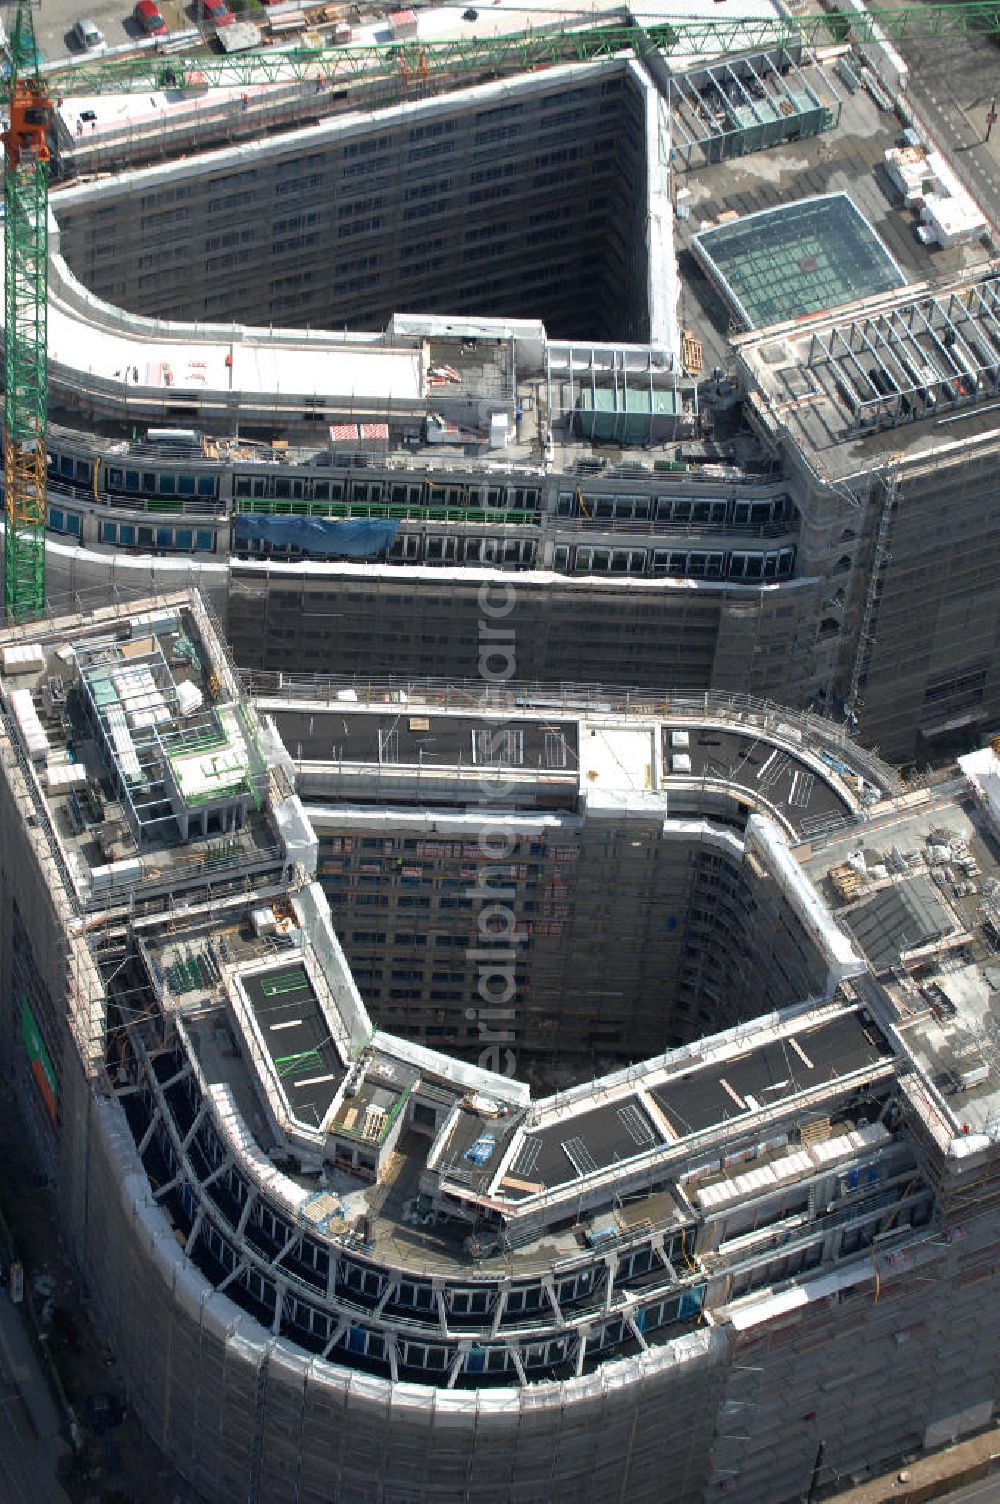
218 1247
260 1288
524 1300
440 550
556 751
469 1302
500 746
71 525
419 1296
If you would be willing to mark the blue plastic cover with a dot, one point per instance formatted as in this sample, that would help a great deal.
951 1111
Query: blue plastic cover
482 1149
358 538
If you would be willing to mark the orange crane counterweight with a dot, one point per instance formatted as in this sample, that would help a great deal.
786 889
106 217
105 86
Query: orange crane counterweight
26 137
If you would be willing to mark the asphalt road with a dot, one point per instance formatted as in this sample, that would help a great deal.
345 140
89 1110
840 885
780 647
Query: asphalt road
953 81
55 19
986 1491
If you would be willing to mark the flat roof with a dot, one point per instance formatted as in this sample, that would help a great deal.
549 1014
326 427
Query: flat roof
916 375
474 1146
770 1073
102 707
797 258
581 1145
946 994
406 734
804 794
893 920
849 158
148 353
296 1037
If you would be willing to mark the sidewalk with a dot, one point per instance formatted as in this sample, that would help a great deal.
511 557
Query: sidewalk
30 1440
932 1477
20 1363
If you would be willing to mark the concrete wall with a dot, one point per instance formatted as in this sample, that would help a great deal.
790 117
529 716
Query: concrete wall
507 200
248 1416
640 934
932 667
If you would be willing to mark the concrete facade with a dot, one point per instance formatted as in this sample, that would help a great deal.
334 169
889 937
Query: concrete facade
332 1259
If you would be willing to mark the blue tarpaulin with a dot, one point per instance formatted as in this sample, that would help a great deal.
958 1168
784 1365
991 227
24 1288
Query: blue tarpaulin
359 538
482 1149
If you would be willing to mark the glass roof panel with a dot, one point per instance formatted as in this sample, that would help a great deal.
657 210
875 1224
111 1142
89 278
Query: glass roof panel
797 259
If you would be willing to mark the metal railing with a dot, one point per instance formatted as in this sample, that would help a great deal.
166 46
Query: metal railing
476 698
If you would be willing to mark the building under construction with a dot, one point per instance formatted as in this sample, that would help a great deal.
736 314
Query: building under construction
705 350
336 1259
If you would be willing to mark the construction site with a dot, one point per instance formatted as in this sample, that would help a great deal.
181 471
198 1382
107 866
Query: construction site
334 1257
536 341
649 1146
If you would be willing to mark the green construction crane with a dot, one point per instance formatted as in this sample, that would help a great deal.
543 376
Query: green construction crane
25 194
450 62
434 65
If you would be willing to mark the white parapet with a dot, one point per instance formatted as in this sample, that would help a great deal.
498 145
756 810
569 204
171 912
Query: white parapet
842 959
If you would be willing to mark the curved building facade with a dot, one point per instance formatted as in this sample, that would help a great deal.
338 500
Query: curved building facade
685 500
338 1260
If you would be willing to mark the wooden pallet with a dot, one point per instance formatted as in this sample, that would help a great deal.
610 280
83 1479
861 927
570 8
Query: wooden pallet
691 352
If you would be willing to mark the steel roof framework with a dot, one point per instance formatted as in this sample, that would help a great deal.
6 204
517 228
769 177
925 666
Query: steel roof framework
900 364
702 105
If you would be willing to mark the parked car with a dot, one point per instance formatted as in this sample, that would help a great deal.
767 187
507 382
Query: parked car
216 11
87 36
147 13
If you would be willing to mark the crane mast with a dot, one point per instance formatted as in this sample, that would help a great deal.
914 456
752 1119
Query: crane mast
25 191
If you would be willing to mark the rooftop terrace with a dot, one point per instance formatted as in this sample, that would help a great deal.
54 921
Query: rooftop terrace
846 160
918 890
142 756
